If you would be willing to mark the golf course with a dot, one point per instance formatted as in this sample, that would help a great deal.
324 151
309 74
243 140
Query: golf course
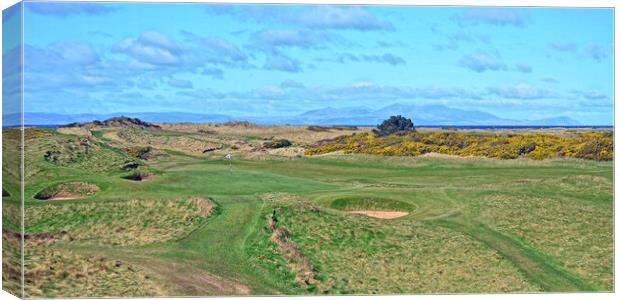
129 208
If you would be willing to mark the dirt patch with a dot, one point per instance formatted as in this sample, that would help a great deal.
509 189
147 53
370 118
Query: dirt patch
380 214
67 190
188 280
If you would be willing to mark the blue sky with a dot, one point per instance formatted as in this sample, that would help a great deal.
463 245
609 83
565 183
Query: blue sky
518 63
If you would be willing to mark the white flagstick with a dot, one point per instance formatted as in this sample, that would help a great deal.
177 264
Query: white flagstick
229 158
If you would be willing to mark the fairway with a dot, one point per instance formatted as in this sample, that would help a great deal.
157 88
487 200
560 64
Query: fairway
265 224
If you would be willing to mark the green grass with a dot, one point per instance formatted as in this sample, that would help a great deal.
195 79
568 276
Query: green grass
536 266
475 225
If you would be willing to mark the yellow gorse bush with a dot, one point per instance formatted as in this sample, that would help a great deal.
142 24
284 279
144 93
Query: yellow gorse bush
591 145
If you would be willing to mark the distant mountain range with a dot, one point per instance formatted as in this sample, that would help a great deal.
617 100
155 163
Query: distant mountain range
422 115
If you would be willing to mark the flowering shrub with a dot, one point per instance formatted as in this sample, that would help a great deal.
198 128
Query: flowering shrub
591 145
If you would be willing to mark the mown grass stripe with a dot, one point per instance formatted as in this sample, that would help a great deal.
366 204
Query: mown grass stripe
536 266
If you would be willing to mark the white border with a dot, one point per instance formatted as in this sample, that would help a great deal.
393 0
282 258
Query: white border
563 3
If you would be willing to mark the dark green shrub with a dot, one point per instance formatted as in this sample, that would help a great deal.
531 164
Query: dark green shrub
277 144
394 124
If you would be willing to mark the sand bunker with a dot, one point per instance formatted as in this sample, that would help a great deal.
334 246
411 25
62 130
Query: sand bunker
67 190
379 214
374 207
139 176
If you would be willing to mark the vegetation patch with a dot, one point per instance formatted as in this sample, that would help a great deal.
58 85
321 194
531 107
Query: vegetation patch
317 128
86 154
205 205
36 238
127 222
299 263
243 124
277 144
144 153
145 141
590 145
62 273
394 124
578 234
67 190
370 256
11 255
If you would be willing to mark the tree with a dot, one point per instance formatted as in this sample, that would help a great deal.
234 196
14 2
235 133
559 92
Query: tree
394 124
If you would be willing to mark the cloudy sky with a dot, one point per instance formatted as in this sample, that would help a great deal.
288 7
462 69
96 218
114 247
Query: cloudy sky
518 63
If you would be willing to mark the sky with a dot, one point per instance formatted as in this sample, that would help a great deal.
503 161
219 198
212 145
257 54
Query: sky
278 60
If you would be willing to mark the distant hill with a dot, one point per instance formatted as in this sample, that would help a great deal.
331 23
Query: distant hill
121 121
422 115
37 118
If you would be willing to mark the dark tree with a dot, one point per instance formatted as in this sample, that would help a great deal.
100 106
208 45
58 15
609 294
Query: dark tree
394 124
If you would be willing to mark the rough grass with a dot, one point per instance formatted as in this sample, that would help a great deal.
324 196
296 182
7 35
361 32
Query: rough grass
299 263
152 224
192 144
56 273
54 270
577 234
67 151
356 255
118 223
11 162
11 264
297 134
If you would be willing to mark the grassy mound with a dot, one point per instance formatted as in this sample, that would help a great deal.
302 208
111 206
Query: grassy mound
353 203
141 139
47 153
67 190
121 121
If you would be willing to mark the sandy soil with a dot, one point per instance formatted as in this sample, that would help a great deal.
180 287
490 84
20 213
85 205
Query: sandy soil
380 214
64 197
